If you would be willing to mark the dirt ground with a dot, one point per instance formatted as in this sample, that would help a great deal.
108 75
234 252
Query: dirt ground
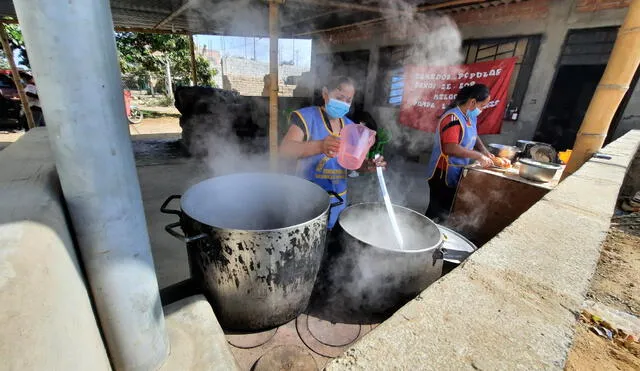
157 126
616 284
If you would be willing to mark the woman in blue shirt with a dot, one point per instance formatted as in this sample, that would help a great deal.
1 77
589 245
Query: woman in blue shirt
313 139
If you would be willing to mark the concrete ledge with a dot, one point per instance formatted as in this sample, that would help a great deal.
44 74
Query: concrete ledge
512 305
197 340
46 318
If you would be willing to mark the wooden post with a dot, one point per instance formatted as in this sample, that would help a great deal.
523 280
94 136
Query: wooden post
622 65
192 50
16 76
274 34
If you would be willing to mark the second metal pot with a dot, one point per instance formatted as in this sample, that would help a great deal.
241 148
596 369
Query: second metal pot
365 277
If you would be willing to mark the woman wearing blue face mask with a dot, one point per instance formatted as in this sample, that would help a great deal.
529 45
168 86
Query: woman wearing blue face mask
456 145
314 140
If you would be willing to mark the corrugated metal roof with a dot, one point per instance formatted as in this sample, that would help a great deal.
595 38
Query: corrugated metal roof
250 17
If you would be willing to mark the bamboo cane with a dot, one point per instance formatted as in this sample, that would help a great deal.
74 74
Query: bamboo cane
622 65
16 76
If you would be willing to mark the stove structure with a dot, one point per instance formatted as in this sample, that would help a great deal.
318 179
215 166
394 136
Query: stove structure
306 343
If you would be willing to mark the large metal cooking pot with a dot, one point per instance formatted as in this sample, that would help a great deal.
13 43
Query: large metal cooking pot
365 277
255 242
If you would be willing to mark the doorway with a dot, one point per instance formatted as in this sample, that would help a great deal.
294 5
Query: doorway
582 63
568 102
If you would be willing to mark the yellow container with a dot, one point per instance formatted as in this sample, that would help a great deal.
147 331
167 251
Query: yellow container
565 156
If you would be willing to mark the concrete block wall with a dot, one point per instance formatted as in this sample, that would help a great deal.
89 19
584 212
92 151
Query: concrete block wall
253 86
247 76
512 305
248 67
46 318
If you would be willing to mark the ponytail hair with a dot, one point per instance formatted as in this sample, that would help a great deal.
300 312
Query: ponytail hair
479 92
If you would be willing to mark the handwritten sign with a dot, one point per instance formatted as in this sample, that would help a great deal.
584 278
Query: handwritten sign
428 91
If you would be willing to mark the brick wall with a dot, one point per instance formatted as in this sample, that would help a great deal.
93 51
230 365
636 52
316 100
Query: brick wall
253 86
595 5
507 13
504 13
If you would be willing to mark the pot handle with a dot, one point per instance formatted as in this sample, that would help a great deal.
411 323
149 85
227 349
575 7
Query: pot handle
438 254
164 208
170 228
340 200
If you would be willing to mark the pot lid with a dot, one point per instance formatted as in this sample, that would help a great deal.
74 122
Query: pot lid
456 248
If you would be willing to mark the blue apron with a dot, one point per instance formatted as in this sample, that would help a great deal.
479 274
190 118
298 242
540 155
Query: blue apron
455 165
320 169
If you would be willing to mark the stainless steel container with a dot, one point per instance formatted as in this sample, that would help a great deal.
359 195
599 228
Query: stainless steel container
456 247
366 276
524 145
255 244
538 171
501 150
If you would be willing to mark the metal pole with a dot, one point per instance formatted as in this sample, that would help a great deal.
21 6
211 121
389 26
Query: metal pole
192 49
274 34
16 77
89 135
621 67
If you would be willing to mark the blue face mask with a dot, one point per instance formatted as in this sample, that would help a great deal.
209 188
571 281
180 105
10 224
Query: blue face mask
474 113
336 108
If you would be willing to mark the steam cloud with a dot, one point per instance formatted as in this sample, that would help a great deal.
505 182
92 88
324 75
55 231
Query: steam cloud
436 41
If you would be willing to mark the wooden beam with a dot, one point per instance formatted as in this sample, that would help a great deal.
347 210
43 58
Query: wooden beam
352 6
448 4
274 34
194 70
310 18
186 5
4 39
614 84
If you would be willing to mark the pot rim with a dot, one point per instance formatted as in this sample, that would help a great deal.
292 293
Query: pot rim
540 165
322 214
417 251
254 230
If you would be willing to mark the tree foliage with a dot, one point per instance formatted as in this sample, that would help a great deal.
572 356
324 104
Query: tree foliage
16 42
145 55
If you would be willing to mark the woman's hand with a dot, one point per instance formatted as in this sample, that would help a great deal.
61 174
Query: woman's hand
485 161
369 166
331 146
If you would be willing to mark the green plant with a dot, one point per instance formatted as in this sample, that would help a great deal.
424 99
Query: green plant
145 56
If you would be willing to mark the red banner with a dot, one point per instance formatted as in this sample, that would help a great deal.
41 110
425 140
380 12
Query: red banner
428 90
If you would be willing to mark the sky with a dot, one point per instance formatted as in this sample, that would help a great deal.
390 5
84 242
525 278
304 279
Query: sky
298 50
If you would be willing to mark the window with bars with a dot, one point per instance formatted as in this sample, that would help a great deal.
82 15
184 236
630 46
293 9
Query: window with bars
392 60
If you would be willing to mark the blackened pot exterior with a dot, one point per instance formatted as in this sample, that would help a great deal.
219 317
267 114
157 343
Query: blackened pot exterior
256 278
